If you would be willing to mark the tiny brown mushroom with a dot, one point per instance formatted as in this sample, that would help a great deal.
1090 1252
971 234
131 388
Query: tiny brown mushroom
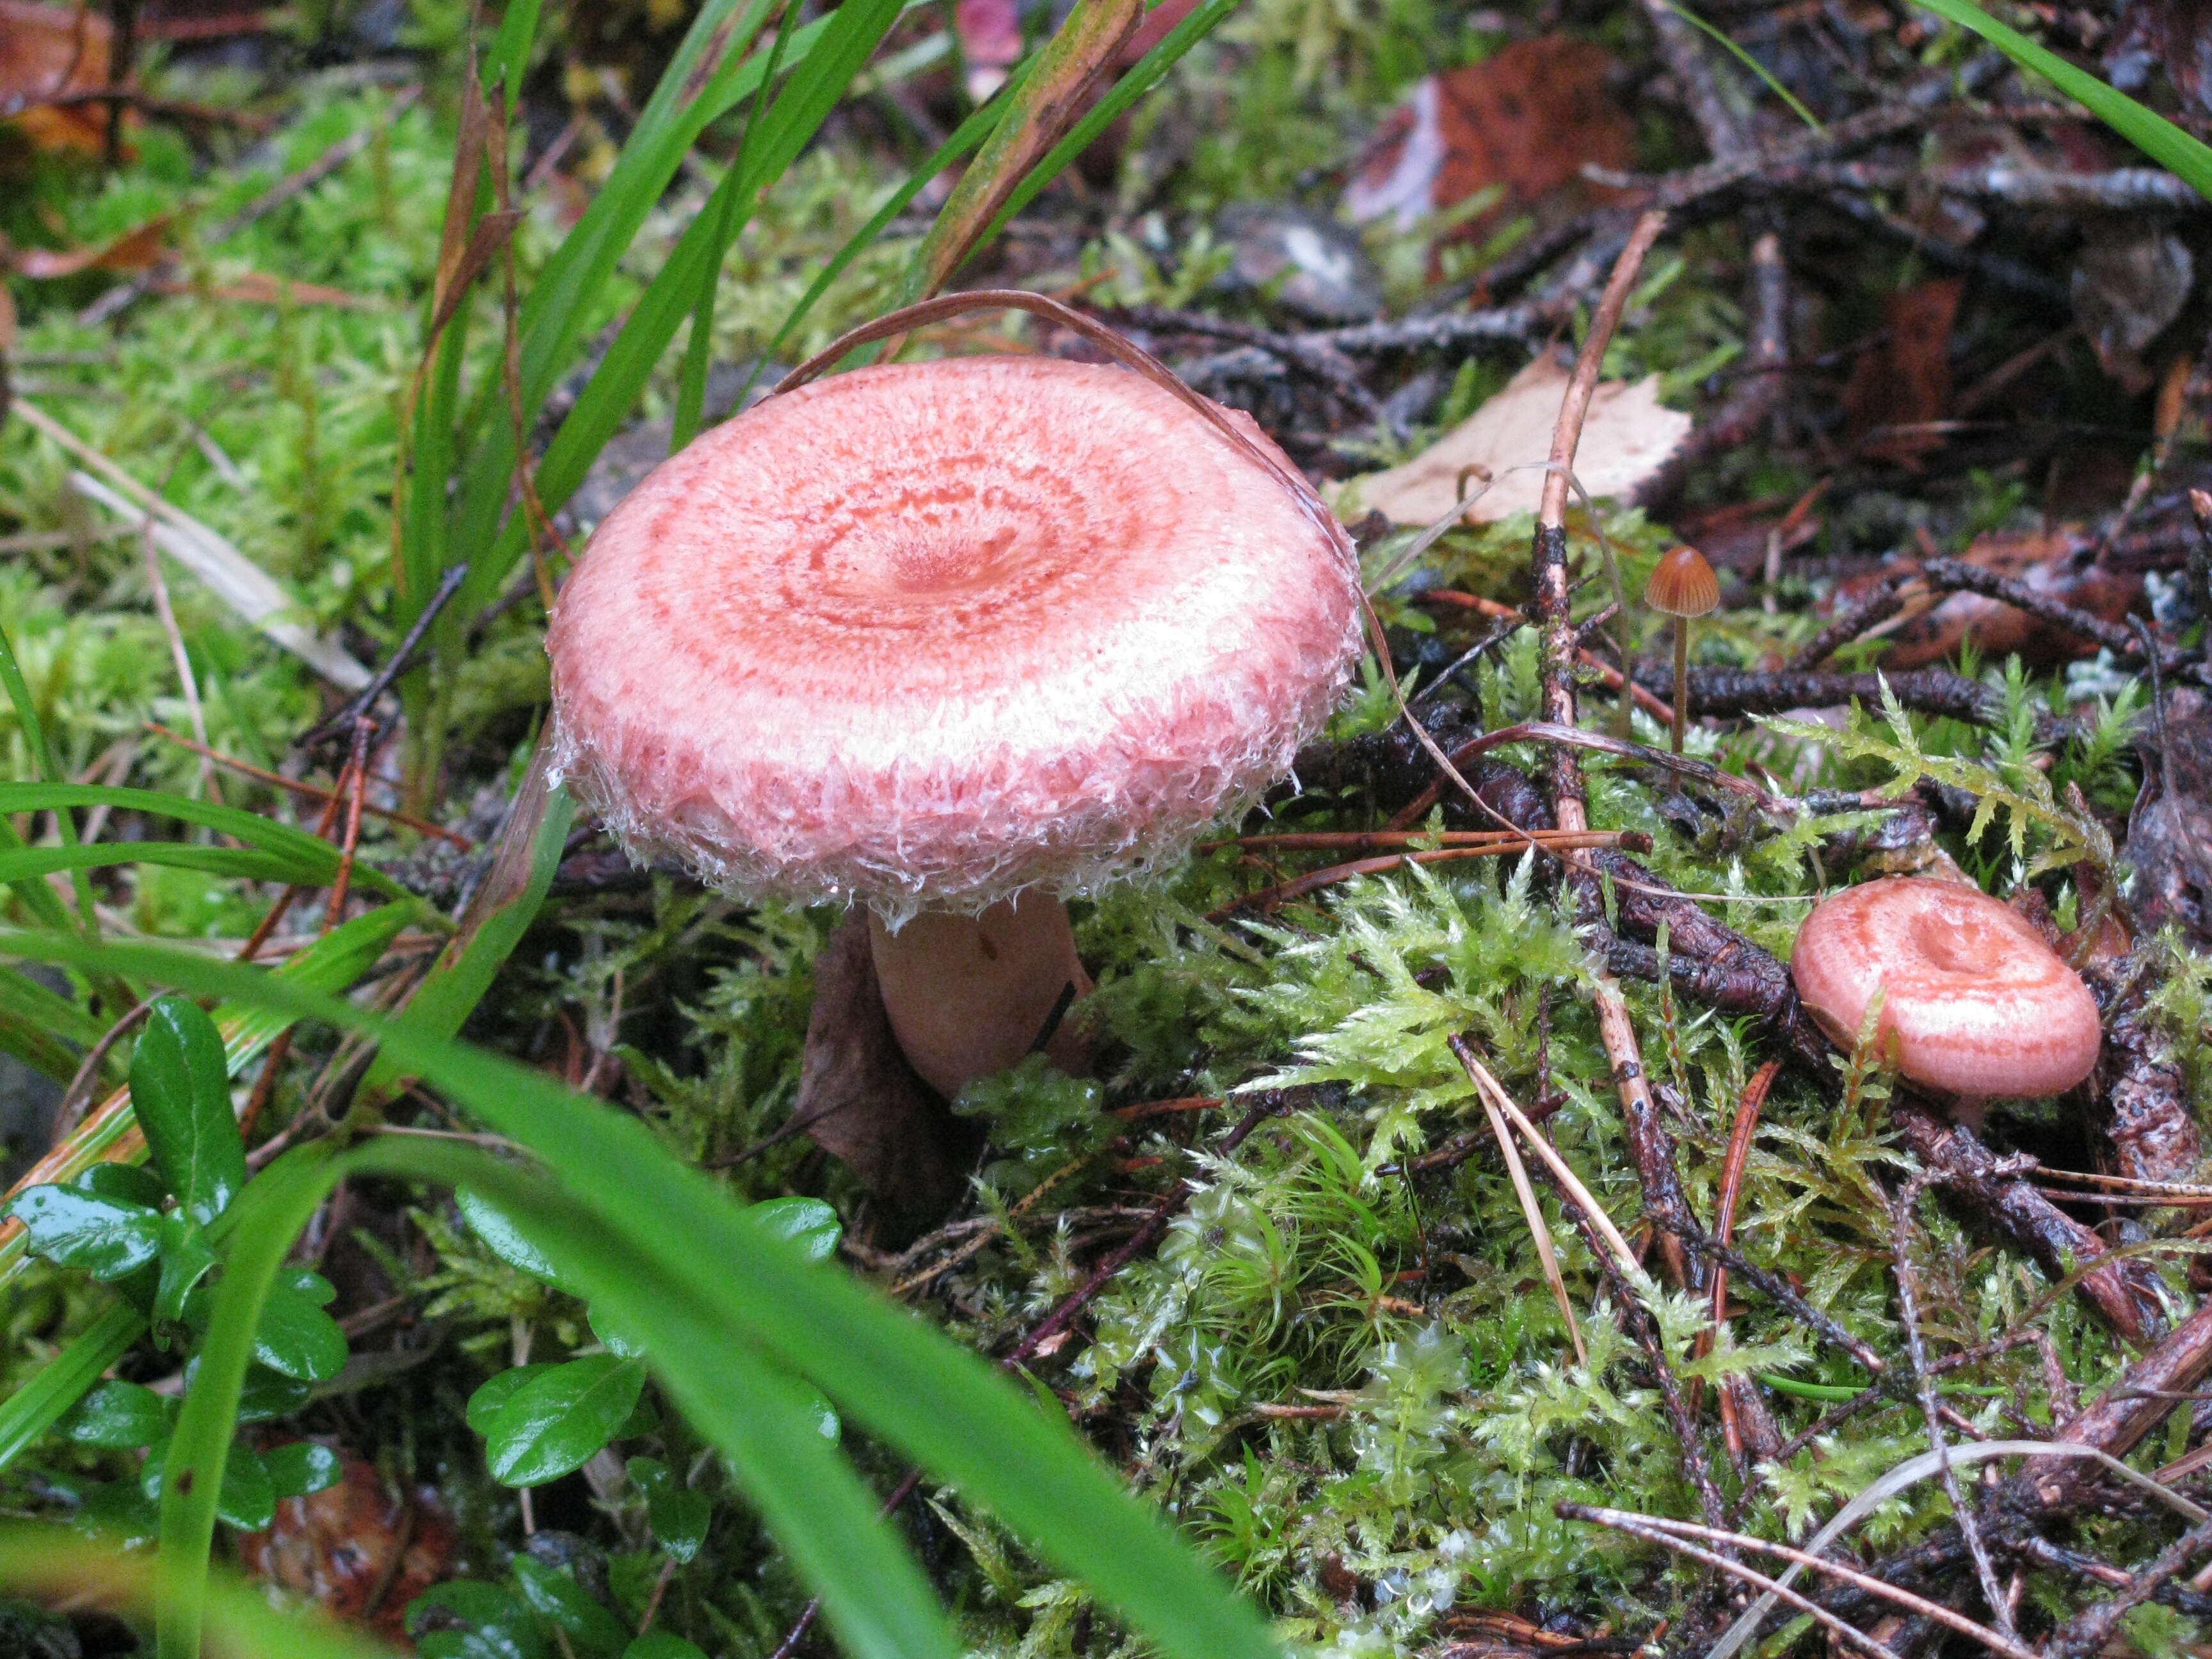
1974 1003
1683 585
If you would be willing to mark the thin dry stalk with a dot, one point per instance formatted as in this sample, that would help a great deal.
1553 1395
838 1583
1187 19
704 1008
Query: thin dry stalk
1739 1155
1269 898
312 791
203 782
1917 1605
1539 1231
1648 1143
1969 1524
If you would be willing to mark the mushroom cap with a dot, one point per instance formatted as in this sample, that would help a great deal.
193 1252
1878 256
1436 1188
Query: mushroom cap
1976 1004
930 633
1683 584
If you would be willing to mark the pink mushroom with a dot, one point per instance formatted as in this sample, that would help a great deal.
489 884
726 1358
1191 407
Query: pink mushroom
949 640
1975 1004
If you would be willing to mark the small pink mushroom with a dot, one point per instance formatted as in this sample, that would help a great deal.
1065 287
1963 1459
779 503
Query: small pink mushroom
948 639
1974 1003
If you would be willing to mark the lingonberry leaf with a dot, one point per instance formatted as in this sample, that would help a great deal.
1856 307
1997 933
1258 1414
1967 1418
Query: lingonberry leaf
557 1421
180 1091
107 1237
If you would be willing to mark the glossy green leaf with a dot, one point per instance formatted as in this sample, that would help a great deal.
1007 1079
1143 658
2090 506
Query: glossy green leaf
557 1598
106 1237
302 1467
267 1395
246 1497
492 1394
186 1259
180 1090
807 1223
497 1623
500 1236
679 1516
297 1339
120 1415
557 1422
119 1513
133 1182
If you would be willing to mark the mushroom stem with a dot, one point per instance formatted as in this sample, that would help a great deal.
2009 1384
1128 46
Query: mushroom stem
1681 680
970 995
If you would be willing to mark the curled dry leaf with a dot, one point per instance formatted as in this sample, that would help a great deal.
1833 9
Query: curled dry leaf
1626 439
135 250
361 1549
1931 630
1527 119
2126 289
49 51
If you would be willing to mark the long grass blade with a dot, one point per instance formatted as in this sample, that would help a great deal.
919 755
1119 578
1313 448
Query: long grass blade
42 757
2188 157
825 55
41 1403
936 1401
57 1568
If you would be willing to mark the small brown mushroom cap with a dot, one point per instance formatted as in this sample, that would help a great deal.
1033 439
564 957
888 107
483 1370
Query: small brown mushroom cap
1974 1002
1683 584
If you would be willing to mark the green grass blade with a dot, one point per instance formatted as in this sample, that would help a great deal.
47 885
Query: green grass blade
823 1517
42 755
268 1215
825 55
1147 74
940 1404
41 1403
28 862
248 827
507 58
965 138
24 997
702 82
691 383
56 1567
2187 157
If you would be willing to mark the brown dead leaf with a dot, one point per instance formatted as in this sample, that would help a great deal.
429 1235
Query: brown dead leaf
49 51
1903 387
859 1100
258 287
1626 438
2127 288
361 1548
1932 630
135 250
1527 120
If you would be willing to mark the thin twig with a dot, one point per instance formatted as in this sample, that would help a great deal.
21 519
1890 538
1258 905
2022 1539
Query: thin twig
313 791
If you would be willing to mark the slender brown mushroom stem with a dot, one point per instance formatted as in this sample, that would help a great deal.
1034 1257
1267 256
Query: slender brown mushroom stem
1681 723
971 996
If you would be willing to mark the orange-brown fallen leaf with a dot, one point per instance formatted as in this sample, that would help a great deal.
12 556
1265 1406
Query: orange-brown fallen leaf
135 250
1899 391
258 288
359 1548
46 52
1931 629
1527 120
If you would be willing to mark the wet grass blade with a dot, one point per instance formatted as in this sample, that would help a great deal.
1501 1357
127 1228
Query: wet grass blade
41 1402
2187 157
825 55
50 1564
1048 102
42 757
38 1026
937 1402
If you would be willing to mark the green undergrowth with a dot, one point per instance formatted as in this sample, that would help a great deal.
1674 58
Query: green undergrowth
1342 1372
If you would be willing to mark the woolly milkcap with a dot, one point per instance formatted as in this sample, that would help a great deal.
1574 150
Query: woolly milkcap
928 635
1975 1002
1683 584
